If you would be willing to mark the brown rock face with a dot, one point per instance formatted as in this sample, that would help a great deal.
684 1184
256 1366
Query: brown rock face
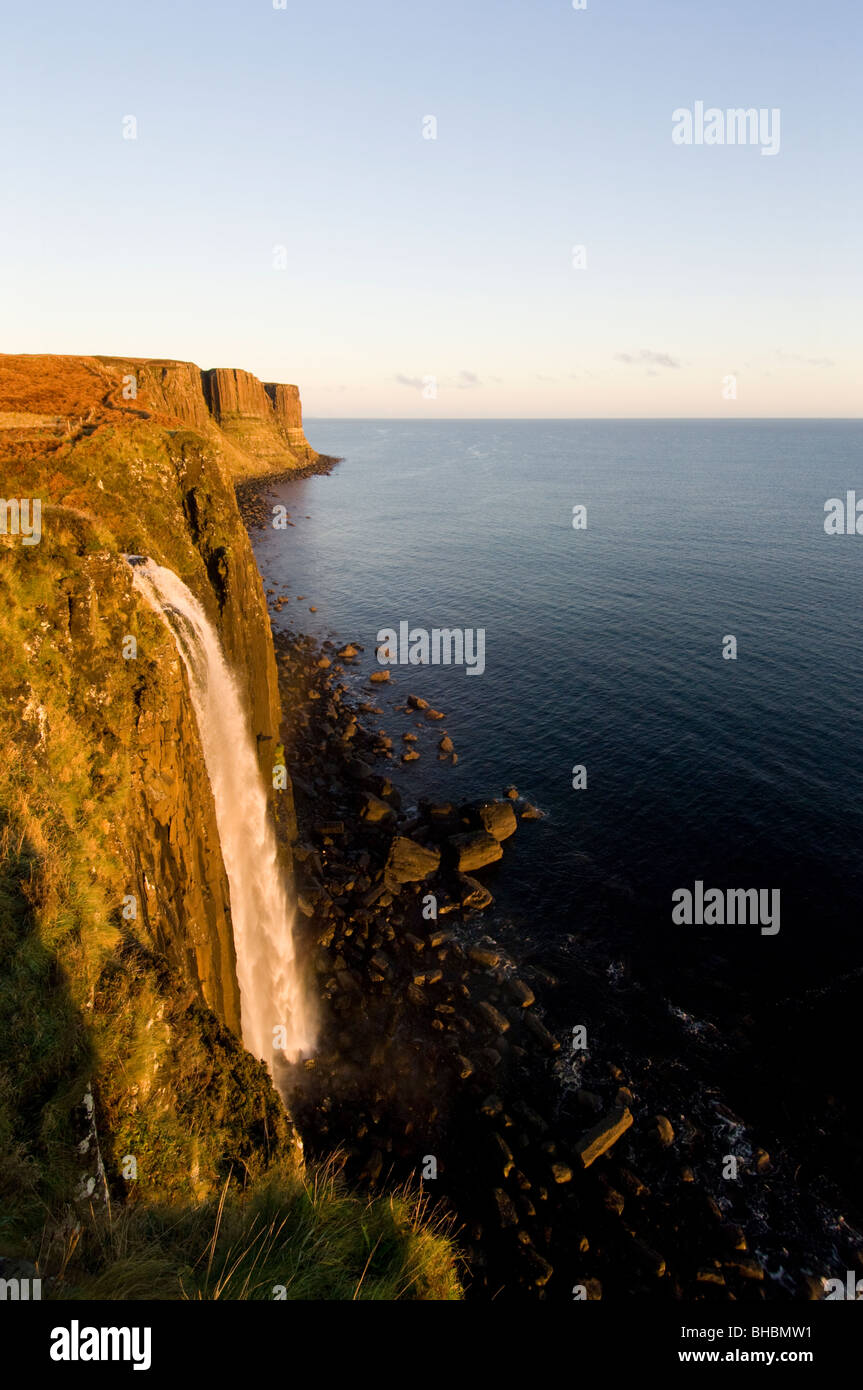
232 392
288 411
266 421
172 388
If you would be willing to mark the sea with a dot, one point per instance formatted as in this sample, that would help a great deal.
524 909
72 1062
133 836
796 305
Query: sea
673 675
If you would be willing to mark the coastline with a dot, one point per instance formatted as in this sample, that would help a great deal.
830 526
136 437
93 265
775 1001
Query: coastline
653 1215
565 1167
252 492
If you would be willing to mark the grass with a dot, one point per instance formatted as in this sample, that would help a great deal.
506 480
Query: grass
297 1234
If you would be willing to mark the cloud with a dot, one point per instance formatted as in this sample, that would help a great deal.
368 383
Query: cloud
415 381
804 361
468 379
646 358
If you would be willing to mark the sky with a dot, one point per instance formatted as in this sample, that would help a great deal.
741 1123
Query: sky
275 202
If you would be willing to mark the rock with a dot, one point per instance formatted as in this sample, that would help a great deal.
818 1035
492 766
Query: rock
561 1172
762 1160
435 714
472 894
505 1153
612 1200
493 1018
541 1033
521 993
475 849
507 1215
606 1133
378 677
540 1271
648 1258
512 793
491 1106
527 811
498 818
662 1131
481 955
589 1100
324 663
348 652
372 1170
410 757
446 744
745 1266
416 702
410 862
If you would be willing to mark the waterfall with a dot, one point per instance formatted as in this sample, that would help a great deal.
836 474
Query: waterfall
271 991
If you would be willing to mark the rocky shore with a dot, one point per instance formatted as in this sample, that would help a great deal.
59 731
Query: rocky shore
252 494
574 1170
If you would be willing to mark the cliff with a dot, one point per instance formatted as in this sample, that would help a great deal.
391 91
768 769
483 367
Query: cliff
264 421
258 428
107 741
122 1072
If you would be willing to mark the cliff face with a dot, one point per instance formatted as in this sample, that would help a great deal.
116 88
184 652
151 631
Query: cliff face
258 428
114 733
263 420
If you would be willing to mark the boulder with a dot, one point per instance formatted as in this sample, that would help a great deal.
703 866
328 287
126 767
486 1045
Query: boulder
472 893
493 1018
374 809
410 862
518 991
475 849
600 1139
497 818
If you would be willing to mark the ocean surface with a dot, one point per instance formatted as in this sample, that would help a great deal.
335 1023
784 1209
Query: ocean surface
604 648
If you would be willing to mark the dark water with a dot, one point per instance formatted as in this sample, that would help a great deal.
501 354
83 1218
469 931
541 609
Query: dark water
604 648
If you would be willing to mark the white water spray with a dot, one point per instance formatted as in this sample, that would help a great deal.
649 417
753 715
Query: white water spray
271 992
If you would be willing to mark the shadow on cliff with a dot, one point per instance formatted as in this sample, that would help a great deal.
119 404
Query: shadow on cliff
45 1056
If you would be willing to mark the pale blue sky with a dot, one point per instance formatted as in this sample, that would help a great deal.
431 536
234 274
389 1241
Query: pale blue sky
450 258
